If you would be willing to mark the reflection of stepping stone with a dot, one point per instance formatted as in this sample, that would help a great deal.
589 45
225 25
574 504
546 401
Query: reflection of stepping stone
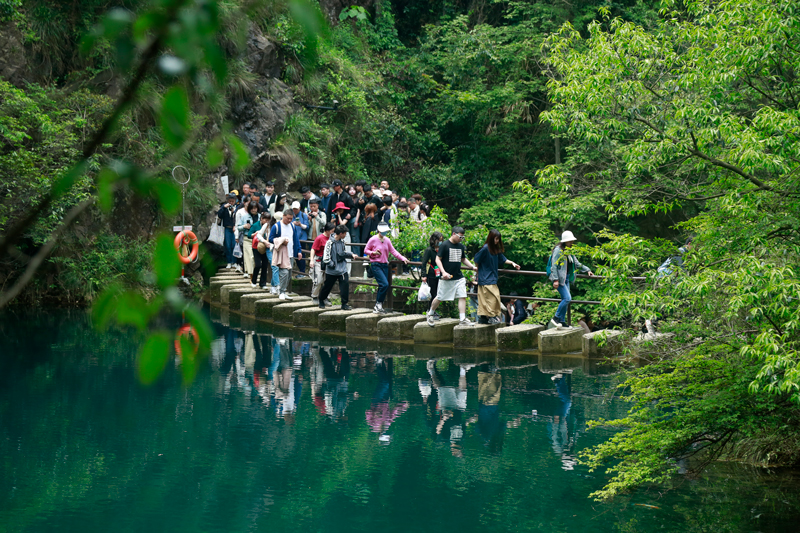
441 331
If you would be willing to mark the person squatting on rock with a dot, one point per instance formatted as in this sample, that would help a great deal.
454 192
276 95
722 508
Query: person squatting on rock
562 274
286 245
453 285
487 260
377 250
335 260
318 268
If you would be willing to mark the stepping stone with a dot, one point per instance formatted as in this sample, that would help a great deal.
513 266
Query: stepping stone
263 308
441 331
476 335
366 324
284 312
302 286
519 337
398 327
225 292
336 320
562 340
248 304
611 343
308 317
235 296
215 289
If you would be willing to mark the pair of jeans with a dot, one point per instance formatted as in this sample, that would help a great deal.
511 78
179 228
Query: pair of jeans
285 275
260 262
276 273
381 272
230 243
344 287
566 298
301 263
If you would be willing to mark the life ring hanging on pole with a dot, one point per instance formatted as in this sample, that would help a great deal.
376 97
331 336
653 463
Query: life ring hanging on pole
186 330
187 238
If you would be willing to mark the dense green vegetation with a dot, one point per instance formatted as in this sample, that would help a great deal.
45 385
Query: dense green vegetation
630 126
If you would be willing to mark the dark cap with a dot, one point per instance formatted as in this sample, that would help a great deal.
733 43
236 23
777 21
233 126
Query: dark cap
337 183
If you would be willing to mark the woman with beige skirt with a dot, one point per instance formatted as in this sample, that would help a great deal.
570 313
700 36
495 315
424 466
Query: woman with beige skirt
488 260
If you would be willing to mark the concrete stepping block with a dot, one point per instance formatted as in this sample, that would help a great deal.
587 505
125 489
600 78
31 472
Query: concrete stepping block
475 335
441 331
302 286
562 340
248 304
227 275
398 327
263 308
214 292
308 317
336 320
235 296
225 291
366 324
519 337
611 345
284 312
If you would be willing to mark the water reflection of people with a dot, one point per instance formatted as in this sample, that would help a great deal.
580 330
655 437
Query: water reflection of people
558 428
380 415
452 403
336 371
489 427
288 383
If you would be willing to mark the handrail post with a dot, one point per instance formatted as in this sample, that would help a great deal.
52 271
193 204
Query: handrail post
569 313
389 297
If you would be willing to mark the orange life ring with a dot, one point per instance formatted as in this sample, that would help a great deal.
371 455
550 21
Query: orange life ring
187 238
186 329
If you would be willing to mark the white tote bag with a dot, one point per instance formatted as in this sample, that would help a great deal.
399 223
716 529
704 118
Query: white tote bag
217 234
424 293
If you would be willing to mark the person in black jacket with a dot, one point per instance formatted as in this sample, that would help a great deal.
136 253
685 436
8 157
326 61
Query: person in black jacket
226 214
340 195
516 310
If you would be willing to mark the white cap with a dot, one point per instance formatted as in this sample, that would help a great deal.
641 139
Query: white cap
383 227
567 236
296 205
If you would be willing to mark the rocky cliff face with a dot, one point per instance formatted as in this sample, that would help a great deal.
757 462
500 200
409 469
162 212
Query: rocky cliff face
13 63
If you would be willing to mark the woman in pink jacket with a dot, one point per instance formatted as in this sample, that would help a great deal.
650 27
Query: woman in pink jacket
378 249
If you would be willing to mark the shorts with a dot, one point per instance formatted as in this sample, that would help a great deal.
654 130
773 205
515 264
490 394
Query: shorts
450 289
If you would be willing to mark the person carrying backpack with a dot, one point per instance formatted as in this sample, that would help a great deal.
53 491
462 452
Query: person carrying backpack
561 271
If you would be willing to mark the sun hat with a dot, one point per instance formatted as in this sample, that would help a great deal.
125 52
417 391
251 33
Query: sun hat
262 247
295 205
383 227
567 236
340 205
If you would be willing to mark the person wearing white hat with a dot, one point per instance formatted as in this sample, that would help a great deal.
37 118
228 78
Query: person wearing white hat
301 225
377 250
561 269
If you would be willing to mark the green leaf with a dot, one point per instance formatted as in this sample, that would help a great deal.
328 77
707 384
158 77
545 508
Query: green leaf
175 116
214 154
105 306
105 188
132 310
153 357
217 61
69 178
166 264
200 323
239 153
188 358
168 194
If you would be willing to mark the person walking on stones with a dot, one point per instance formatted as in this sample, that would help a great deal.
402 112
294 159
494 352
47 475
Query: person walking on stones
377 250
286 245
430 271
562 267
335 259
226 216
262 246
453 285
317 267
488 259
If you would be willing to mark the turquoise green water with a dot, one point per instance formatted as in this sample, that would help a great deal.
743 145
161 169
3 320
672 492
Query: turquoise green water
318 434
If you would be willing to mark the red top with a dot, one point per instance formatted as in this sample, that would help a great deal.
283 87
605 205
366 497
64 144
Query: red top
319 246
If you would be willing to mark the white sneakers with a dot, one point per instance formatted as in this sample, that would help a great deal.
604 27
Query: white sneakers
466 322
378 308
237 267
282 296
230 265
253 285
557 325
273 290
430 320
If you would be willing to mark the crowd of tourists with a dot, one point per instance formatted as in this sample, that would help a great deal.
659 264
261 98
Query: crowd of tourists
268 234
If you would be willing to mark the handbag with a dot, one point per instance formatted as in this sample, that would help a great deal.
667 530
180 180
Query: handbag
217 233
237 251
424 293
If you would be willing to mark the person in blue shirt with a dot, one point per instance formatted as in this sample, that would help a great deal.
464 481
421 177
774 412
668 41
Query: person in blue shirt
302 225
488 260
